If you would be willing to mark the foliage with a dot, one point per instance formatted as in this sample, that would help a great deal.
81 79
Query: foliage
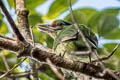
104 23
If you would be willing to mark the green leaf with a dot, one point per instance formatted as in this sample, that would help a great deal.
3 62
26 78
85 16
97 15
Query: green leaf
43 76
1 18
11 3
45 69
11 59
82 16
35 18
43 38
110 48
79 16
32 4
114 34
57 7
4 28
93 22
39 36
107 24
115 59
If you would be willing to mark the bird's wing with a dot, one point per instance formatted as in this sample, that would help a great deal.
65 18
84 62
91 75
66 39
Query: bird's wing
90 36
68 33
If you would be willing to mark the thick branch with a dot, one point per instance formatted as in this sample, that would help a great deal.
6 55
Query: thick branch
9 44
10 20
41 55
22 17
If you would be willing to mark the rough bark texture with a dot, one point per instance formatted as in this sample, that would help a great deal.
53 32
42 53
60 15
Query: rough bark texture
23 25
22 17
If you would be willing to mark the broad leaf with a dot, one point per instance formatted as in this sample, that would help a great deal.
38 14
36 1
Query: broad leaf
35 18
4 28
11 3
1 18
82 16
107 24
96 19
11 59
110 48
57 7
29 3
32 4
115 57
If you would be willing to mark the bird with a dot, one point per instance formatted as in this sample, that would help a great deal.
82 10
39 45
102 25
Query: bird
67 39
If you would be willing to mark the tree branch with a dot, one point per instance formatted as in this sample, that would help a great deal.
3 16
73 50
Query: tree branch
13 25
22 17
41 54
9 44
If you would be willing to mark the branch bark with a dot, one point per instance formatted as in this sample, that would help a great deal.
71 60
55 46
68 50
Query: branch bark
22 17
40 55
10 20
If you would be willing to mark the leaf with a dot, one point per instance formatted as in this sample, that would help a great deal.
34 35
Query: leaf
82 15
1 18
29 3
11 3
43 76
114 58
39 36
107 24
79 16
32 4
35 18
57 7
110 48
93 22
4 28
11 59
45 69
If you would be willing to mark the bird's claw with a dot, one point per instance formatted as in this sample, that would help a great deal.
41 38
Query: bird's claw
61 55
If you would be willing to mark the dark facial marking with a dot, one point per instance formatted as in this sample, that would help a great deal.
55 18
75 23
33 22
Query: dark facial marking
60 24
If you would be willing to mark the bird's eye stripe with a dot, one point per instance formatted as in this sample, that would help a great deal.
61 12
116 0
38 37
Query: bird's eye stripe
60 24
53 25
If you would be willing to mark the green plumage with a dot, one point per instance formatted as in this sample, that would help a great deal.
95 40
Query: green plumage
69 38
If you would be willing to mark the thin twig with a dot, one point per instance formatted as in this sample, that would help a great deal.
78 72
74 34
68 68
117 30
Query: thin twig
104 67
6 37
13 25
54 69
77 27
107 57
32 35
5 61
12 68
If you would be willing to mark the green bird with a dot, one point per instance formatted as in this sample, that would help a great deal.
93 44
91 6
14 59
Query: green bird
67 39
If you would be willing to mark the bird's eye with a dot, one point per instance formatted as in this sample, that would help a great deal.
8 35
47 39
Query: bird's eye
59 24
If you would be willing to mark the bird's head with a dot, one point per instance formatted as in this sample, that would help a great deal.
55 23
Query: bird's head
59 24
54 27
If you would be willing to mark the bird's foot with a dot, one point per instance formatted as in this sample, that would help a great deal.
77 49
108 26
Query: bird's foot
61 55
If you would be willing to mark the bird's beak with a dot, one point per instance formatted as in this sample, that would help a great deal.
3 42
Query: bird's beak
47 27
44 27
